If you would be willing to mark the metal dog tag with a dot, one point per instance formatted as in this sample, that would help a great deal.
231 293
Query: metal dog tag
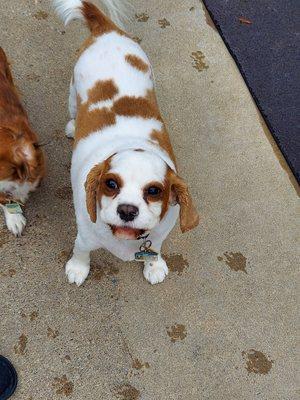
146 255
14 208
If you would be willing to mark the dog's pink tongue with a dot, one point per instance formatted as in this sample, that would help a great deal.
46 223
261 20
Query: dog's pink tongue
124 232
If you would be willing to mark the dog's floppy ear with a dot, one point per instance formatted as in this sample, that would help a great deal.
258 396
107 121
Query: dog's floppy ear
24 158
189 217
92 185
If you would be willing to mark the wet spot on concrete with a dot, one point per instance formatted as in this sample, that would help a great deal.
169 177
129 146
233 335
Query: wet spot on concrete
64 193
40 15
257 362
143 17
176 263
128 392
235 261
137 39
20 348
63 386
192 8
99 271
67 358
199 61
33 316
177 332
163 23
12 272
137 364
52 333
32 76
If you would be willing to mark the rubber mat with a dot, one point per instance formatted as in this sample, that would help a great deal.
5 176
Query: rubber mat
263 39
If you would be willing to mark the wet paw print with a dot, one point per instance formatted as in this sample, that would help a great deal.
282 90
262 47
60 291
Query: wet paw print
143 17
199 61
51 333
177 332
99 271
63 386
235 261
20 348
137 39
128 392
32 316
11 272
40 15
257 362
163 23
176 263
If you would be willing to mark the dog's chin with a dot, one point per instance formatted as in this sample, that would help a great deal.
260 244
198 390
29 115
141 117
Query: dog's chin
126 232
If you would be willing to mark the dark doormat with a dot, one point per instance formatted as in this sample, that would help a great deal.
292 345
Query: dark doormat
263 39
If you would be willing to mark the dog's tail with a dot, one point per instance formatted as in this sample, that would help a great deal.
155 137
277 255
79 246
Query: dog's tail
4 65
70 10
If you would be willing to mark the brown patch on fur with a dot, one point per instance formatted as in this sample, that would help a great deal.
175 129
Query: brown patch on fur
101 91
163 139
97 21
20 157
91 121
137 62
136 106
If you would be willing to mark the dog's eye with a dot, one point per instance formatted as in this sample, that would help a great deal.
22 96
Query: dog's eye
111 184
153 191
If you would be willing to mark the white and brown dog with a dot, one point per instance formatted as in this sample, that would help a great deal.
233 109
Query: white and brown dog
21 158
124 178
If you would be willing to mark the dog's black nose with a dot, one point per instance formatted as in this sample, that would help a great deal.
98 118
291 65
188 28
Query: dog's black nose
127 212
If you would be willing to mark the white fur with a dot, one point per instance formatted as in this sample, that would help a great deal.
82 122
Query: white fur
69 10
105 60
155 271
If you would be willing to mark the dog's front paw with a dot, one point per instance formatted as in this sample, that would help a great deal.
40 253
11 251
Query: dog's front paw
155 271
77 271
70 128
15 223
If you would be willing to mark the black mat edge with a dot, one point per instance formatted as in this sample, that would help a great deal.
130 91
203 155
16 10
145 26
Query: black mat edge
268 123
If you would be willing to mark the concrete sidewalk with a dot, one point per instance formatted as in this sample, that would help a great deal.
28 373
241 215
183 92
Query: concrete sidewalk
222 326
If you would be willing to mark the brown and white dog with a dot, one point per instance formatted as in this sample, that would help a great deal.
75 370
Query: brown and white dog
124 178
21 159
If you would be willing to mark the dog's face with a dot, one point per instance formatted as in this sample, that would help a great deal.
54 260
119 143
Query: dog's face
21 159
134 190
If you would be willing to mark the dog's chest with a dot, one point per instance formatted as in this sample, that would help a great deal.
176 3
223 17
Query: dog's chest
18 191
